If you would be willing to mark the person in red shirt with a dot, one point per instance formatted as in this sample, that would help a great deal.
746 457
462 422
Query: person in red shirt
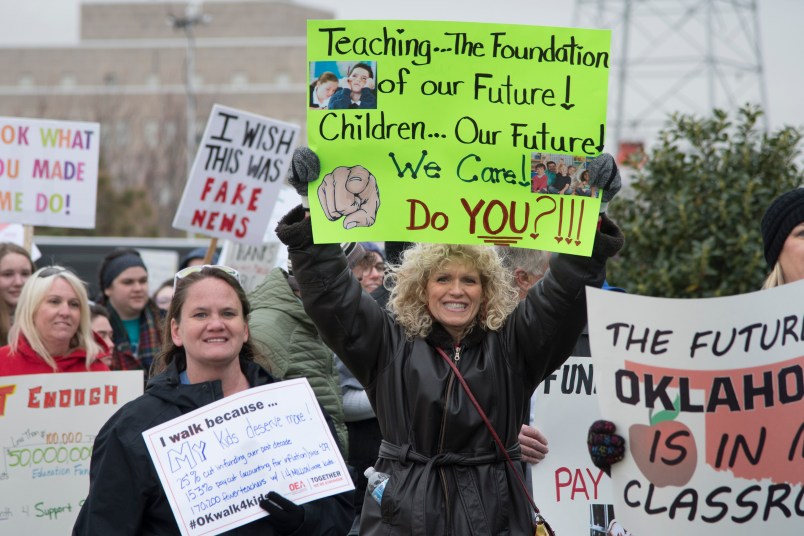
51 331
538 179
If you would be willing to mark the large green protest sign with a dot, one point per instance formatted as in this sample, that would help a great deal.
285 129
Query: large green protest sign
434 130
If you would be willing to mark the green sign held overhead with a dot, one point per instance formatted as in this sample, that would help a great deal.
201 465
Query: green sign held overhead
456 132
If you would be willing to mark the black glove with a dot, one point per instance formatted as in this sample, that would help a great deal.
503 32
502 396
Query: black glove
608 240
294 230
605 447
304 168
286 516
604 175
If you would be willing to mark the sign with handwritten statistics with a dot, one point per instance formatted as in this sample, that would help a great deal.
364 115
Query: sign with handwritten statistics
240 166
217 462
435 128
709 395
48 172
48 423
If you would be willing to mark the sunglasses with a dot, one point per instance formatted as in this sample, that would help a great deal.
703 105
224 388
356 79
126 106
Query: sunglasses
181 274
51 271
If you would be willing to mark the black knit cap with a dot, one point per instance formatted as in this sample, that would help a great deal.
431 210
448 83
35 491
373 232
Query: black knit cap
783 214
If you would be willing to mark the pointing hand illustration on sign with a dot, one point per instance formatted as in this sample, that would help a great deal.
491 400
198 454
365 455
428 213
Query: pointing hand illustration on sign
351 193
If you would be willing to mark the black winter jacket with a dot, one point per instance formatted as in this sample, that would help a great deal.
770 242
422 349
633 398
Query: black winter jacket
125 494
447 476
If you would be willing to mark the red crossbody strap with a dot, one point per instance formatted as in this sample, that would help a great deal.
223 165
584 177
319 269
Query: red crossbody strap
489 426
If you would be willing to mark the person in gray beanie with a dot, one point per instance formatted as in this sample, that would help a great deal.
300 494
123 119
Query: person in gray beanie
135 318
783 238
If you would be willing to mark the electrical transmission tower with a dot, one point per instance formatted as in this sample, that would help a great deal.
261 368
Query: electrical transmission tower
687 56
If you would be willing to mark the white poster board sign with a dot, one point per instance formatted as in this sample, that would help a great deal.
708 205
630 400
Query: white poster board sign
48 172
161 265
48 423
15 233
574 495
709 395
217 462
254 262
239 168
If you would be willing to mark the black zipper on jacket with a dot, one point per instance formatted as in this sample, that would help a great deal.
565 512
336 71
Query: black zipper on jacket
456 357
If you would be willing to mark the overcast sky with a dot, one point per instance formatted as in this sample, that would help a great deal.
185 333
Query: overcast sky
53 22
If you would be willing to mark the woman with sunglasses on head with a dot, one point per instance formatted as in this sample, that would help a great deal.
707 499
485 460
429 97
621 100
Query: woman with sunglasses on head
207 356
52 331
135 318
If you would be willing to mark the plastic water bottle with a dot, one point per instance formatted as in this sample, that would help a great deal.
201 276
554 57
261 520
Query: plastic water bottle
376 483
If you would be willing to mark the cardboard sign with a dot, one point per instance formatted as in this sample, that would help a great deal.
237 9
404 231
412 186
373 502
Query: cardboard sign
574 495
48 423
239 168
217 462
15 233
709 395
254 262
48 172
435 129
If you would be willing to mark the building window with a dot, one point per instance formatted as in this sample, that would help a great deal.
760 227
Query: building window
26 80
240 79
150 131
68 80
282 78
169 132
152 80
121 133
110 79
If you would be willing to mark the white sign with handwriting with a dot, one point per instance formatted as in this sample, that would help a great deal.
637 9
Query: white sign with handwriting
48 424
217 462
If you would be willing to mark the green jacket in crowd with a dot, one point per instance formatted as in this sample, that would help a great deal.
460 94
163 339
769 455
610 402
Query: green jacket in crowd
292 348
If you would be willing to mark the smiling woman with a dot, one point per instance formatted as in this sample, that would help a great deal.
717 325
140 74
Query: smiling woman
207 356
453 316
52 332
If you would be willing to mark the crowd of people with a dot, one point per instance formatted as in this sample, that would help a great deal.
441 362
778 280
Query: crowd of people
418 354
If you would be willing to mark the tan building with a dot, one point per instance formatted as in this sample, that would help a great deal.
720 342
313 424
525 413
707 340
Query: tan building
128 73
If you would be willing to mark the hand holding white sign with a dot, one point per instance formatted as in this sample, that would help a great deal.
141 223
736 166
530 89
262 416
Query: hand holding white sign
219 462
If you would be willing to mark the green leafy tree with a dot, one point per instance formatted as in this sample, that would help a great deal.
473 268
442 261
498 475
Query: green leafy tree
692 225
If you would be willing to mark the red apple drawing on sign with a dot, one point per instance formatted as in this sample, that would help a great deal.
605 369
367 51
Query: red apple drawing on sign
665 450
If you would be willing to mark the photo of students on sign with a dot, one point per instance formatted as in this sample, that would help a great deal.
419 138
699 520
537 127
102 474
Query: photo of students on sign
343 85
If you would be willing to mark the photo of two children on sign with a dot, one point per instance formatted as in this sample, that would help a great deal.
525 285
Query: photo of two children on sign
341 85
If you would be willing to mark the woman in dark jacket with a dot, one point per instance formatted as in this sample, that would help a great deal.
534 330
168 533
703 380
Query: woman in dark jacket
208 357
446 474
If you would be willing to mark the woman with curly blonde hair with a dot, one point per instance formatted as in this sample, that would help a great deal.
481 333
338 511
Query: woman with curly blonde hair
453 311
408 299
